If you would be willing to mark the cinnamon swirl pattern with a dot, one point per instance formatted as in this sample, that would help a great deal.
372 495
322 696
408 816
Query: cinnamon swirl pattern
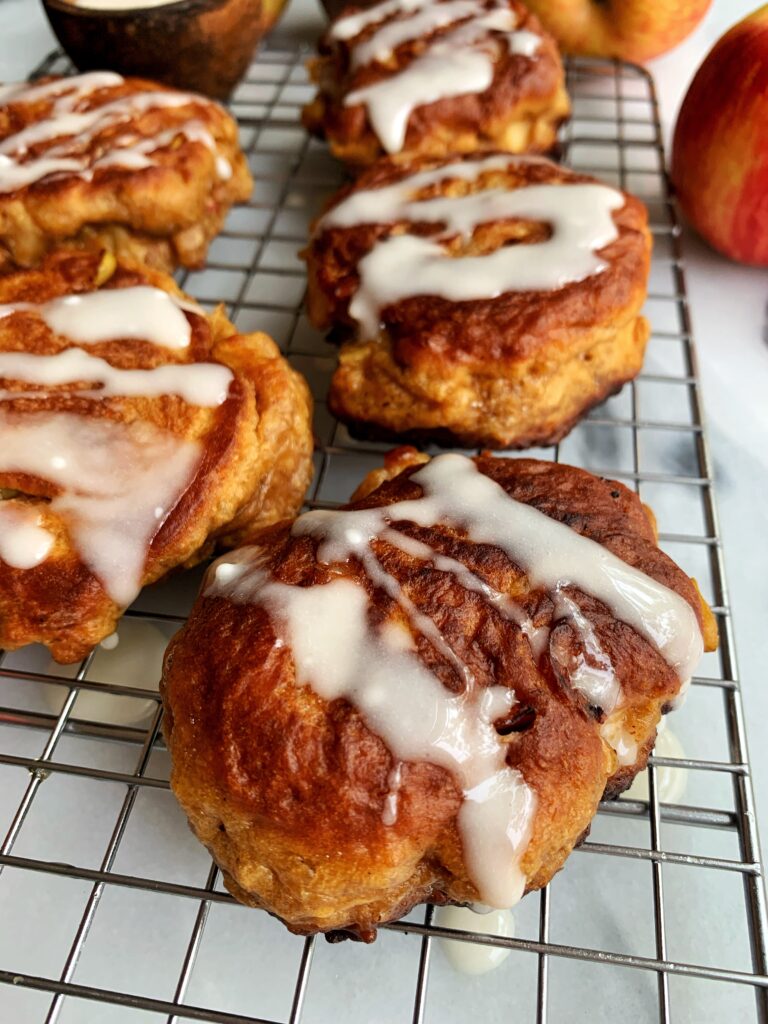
99 159
483 301
451 76
137 433
434 688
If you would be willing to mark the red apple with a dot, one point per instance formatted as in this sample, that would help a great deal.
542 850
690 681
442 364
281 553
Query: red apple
720 147
634 30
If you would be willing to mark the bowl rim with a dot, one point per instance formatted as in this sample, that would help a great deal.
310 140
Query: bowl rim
70 9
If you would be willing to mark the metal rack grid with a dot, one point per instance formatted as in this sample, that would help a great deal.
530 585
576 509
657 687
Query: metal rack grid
651 436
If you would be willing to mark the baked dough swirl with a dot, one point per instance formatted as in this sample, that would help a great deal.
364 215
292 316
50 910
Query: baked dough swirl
423 696
436 78
486 301
137 433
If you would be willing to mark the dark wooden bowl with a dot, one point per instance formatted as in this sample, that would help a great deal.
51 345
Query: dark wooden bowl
333 8
202 45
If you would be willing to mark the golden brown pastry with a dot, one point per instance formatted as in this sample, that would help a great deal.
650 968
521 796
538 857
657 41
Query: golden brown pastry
483 301
101 160
423 697
436 78
136 434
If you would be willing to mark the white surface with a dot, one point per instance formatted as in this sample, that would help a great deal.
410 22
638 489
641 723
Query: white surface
591 904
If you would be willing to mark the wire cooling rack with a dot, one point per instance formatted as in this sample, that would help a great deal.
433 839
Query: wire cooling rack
110 910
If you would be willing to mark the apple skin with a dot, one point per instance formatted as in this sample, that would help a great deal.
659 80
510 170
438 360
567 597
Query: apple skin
632 30
720 145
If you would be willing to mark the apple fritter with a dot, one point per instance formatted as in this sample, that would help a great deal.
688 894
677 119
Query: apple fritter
137 434
422 697
445 77
101 160
479 301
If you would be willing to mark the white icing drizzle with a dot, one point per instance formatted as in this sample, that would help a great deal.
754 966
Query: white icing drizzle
352 25
592 674
118 483
474 957
503 604
120 5
340 654
394 202
394 781
456 63
203 384
678 701
110 314
24 543
425 80
77 129
223 168
82 85
615 735
381 45
524 43
403 265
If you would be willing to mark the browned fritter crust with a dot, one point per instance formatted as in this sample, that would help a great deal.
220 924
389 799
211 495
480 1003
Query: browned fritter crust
508 372
164 215
255 468
287 790
520 111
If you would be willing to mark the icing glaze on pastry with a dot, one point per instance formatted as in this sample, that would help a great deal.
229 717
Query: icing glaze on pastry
119 5
137 312
66 134
395 780
118 480
117 484
416 716
24 543
403 265
203 384
77 86
456 63
340 653
424 20
594 675
353 24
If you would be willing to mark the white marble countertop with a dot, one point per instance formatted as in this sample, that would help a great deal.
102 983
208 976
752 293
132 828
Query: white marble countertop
730 315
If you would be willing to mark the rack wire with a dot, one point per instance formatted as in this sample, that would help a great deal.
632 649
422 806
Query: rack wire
109 909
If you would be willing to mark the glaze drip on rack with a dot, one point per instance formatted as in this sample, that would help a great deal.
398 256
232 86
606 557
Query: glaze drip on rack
59 143
403 265
340 653
456 63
